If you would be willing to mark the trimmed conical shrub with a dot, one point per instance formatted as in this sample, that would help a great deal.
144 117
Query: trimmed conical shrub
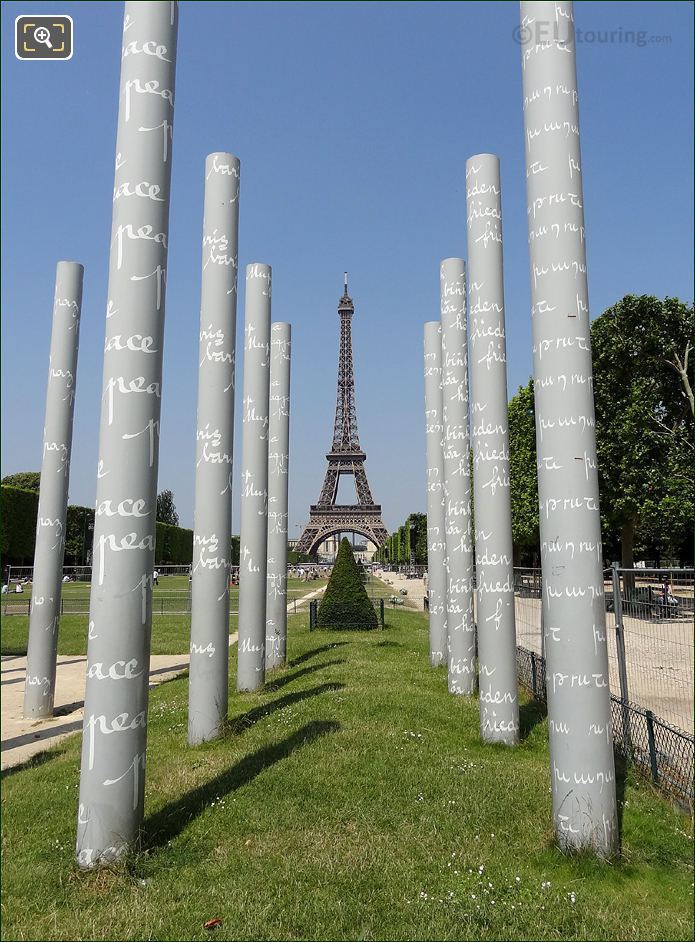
345 603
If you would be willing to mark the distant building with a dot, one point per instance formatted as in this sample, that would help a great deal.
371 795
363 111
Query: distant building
328 550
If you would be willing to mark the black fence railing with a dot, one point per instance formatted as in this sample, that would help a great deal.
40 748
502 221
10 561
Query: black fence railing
657 749
175 604
530 668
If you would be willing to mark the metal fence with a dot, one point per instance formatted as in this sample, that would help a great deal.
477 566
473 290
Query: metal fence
649 622
24 574
650 637
176 603
649 618
656 748
409 570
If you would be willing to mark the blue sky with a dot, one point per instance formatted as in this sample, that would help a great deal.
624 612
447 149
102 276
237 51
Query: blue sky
353 122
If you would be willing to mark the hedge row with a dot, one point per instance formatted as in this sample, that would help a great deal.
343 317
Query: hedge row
173 544
18 512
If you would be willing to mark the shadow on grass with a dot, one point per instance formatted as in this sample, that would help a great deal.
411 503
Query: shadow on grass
183 675
13 650
39 758
531 714
246 720
309 654
280 682
177 815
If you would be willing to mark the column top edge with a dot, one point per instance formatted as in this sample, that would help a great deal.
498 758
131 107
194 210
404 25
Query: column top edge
222 153
481 156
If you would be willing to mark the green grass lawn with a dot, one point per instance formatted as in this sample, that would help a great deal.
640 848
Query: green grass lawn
351 799
170 632
168 585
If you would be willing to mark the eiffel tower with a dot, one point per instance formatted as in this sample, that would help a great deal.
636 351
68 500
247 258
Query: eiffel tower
326 518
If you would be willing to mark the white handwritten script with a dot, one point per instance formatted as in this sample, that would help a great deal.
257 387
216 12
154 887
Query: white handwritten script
573 607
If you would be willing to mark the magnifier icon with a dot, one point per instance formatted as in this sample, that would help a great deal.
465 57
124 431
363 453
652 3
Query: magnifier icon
43 35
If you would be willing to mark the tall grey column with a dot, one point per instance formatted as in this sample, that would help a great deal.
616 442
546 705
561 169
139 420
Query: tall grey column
53 495
436 542
579 719
494 555
112 776
253 563
278 478
209 665
457 478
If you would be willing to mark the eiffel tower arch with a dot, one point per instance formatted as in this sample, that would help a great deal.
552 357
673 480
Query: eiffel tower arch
346 457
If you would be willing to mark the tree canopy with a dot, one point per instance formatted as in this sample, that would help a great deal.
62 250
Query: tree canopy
643 382
523 471
166 509
345 603
644 422
27 480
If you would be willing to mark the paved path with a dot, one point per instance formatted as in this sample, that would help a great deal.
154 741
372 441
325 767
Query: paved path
415 588
23 738
292 606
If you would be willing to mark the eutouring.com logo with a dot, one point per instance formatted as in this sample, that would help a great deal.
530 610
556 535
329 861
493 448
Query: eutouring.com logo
539 32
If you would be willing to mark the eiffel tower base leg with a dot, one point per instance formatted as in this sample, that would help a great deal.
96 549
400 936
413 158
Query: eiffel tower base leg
325 522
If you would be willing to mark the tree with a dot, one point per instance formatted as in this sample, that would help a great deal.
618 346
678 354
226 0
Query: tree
79 535
166 509
644 421
27 480
403 545
420 522
345 603
523 471
408 540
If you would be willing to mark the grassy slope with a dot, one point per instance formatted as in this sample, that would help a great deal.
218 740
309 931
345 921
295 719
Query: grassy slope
350 800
